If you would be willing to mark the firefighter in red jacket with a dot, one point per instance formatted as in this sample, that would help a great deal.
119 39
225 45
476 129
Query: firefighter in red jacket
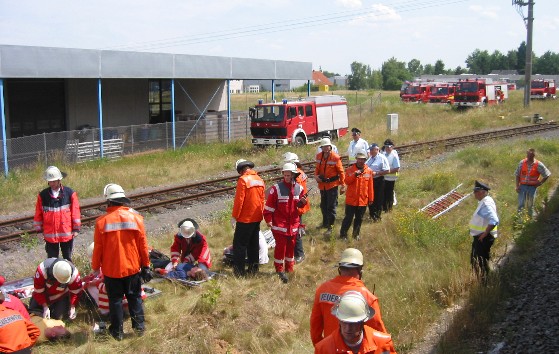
282 216
360 193
329 174
121 250
302 180
327 294
190 247
17 334
246 217
57 215
57 286
352 334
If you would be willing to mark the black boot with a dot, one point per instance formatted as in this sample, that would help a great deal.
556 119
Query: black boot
252 269
283 277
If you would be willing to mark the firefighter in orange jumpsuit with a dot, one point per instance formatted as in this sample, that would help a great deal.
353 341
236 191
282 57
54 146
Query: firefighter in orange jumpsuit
121 249
282 216
302 180
360 193
352 334
57 215
327 294
17 334
246 217
329 174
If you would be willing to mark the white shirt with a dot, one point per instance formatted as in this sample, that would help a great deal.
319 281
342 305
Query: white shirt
355 146
393 162
378 163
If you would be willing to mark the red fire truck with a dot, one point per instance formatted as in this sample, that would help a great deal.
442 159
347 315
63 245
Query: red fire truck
479 92
298 122
542 89
442 92
417 92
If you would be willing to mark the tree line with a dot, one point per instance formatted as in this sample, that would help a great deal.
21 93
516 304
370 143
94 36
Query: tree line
394 72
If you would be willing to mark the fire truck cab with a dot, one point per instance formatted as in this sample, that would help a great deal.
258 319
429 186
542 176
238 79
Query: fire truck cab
298 122
442 93
479 92
542 88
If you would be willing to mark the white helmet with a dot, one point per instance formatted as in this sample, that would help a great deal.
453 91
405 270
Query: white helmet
290 166
62 272
351 258
361 154
352 307
187 229
325 142
90 249
114 192
242 163
290 157
52 173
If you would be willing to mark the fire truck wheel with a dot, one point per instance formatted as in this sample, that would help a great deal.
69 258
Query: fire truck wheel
298 141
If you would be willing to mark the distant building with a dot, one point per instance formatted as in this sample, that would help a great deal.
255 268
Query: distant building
320 80
236 86
340 81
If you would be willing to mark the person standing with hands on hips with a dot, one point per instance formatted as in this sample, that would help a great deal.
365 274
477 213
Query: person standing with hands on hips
528 179
121 249
57 215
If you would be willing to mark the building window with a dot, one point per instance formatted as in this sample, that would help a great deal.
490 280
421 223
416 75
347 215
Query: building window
159 101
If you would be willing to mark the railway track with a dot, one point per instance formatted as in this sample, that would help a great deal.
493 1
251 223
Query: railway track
202 192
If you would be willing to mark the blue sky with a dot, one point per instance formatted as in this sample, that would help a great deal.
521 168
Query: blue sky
329 33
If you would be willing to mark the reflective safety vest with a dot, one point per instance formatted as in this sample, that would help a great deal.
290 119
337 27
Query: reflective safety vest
121 247
529 177
281 208
479 224
249 198
57 217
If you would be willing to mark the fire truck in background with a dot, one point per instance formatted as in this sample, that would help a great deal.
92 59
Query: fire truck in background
417 92
442 92
479 92
298 122
542 89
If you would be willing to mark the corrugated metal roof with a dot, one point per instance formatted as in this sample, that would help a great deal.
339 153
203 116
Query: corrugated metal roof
45 62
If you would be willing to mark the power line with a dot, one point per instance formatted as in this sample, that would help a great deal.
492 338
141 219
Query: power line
294 24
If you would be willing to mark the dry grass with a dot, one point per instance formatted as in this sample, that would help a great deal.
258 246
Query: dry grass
417 266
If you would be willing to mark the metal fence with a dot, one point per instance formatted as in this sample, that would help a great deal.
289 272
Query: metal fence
71 146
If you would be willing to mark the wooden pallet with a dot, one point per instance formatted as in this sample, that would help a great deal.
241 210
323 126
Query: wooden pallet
90 150
444 203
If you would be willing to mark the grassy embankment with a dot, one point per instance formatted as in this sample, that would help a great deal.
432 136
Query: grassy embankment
417 266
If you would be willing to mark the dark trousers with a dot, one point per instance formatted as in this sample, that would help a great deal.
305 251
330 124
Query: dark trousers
352 211
117 288
245 246
54 248
328 205
299 251
58 309
388 195
480 255
375 209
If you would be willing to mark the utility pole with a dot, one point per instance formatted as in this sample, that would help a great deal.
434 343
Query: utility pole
529 22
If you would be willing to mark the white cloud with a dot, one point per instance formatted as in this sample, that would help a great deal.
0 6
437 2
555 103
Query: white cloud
350 3
486 11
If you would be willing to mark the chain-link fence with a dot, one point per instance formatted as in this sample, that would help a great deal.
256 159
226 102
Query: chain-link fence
83 145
